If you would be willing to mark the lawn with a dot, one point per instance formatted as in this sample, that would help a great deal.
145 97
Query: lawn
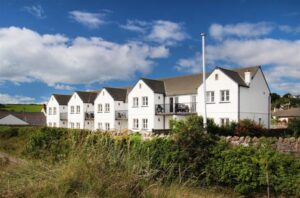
21 107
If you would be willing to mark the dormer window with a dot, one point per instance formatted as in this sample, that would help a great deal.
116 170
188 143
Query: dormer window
216 76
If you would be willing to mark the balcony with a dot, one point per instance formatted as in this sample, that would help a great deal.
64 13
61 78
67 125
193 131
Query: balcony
121 115
176 109
63 116
89 116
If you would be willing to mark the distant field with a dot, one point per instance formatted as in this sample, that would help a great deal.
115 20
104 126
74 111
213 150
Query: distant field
21 107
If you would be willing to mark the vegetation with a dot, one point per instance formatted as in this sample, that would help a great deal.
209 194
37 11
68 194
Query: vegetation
285 101
21 107
189 163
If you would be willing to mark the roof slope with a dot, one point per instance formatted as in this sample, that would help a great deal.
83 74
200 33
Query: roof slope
87 97
235 76
156 85
293 112
118 94
62 99
32 118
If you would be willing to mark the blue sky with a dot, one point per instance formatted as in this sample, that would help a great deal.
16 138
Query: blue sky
65 45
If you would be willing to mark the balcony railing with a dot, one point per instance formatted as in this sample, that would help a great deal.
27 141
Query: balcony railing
176 109
121 115
89 116
63 116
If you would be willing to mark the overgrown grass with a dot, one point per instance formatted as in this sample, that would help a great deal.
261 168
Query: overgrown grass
21 107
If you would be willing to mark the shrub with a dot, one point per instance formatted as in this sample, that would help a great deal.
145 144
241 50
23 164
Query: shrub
249 127
294 125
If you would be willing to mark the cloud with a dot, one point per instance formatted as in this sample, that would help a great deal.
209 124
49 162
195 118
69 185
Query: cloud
57 59
249 30
63 87
16 99
36 10
88 19
136 26
279 58
289 29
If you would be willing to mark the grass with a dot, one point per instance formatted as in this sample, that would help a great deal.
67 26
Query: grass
21 107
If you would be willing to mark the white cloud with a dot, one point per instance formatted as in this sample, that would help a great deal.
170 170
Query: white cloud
136 26
88 19
167 32
36 10
63 87
289 29
192 64
250 30
9 99
56 59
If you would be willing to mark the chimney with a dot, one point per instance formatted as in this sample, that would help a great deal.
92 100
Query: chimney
247 77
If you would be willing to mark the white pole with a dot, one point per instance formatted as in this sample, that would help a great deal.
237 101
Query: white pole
204 81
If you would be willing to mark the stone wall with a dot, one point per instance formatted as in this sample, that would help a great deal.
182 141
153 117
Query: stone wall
290 145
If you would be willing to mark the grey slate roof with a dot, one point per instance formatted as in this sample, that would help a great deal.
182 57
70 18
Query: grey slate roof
293 112
235 76
32 118
118 94
62 99
87 97
156 85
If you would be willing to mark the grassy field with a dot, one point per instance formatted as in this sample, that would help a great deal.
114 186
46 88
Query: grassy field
21 107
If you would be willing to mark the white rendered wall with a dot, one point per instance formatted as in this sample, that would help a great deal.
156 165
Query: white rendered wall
59 109
75 117
218 110
254 101
121 125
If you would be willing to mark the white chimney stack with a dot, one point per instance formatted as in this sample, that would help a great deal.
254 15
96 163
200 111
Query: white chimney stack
247 77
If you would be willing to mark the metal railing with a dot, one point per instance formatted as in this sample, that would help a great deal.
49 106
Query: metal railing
121 115
176 108
89 115
63 116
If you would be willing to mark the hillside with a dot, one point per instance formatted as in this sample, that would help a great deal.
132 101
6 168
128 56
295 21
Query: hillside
21 107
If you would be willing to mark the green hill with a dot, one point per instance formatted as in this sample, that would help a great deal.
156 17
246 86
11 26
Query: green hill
21 107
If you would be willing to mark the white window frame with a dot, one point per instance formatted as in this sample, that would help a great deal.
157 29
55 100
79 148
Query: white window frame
78 125
50 124
145 123
107 108
135 101
100 109
78 109
54 110
50 111
210 97
135 123
72 110
107 126
99 125
54 124
225 95
224 121
145 101
72 125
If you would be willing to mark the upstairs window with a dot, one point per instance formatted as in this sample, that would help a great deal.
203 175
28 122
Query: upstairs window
135 102
135 123
50 111
225 96
100 108
210 96
107 108
72 109
54 110
145 123
145 101
77 109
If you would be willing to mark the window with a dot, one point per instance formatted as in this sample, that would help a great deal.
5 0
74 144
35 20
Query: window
210 96
107 128
50 124
144 101
54 124
140 85
135 123
216 76
99 125
78 125
107 109
225 96
145 123
224 121
50 111
77 109
259 121
72 125
135 102
54 110
72 109
100 108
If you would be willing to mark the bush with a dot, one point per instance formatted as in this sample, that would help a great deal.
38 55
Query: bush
249 127
294 125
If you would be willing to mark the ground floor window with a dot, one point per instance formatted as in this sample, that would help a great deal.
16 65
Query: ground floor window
145 123
135 123
99 125
78 125
107 127
50 124
54 124
72 125
224 121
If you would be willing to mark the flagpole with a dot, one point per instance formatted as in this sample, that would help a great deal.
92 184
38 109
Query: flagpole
204 82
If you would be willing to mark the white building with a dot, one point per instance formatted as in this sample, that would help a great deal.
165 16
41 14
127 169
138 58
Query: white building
232 95
111 109
57 110
81 110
